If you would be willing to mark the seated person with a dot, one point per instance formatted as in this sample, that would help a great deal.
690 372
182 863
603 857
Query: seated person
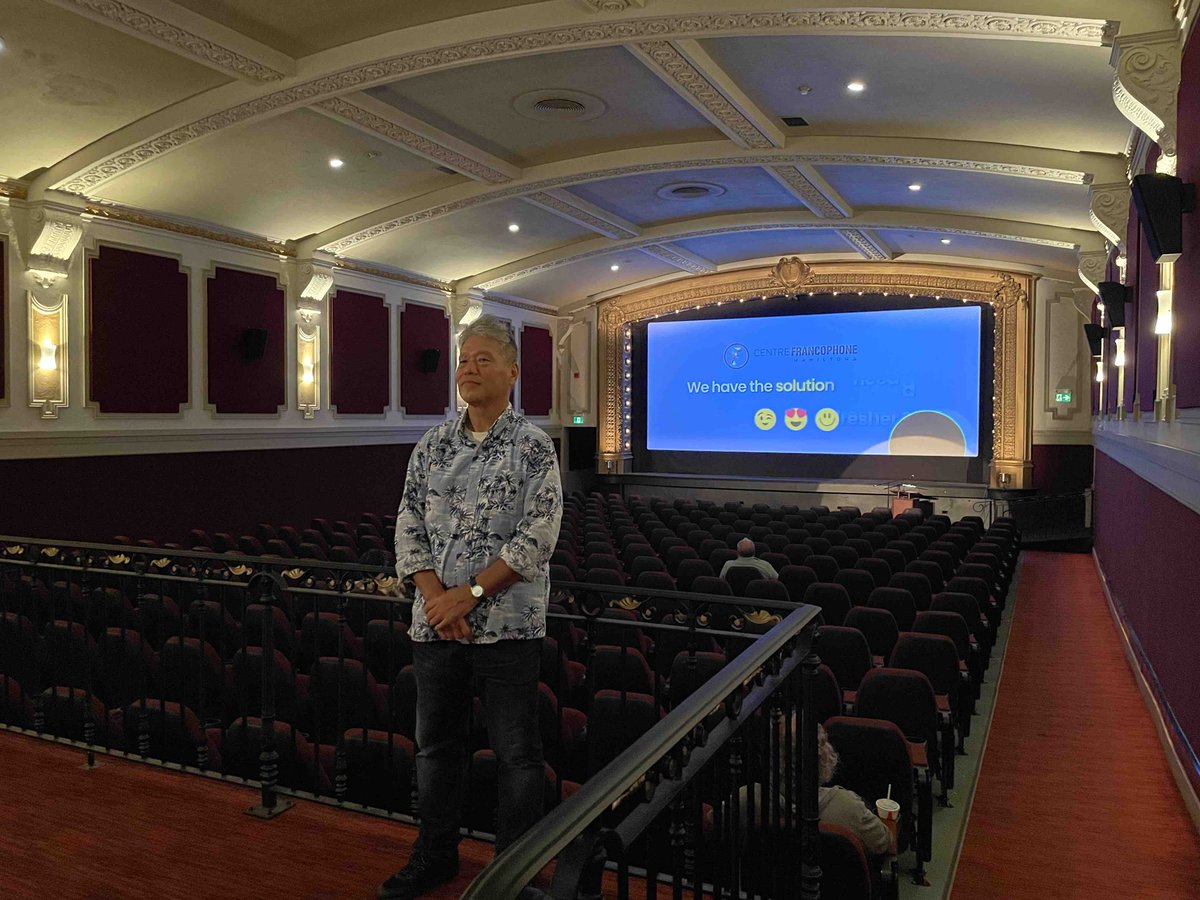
841 806
746 557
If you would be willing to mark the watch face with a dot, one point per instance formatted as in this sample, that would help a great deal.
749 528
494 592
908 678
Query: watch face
477 590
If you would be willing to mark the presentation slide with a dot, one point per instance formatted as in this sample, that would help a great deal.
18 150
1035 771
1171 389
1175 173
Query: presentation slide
899 382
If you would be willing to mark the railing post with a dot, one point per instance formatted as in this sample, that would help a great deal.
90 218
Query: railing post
810 835
268 584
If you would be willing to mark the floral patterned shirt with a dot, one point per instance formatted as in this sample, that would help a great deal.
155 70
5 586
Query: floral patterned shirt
467 504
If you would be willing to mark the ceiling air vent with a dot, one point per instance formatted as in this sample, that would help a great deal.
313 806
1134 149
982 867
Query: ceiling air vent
689 190
559 106
795 121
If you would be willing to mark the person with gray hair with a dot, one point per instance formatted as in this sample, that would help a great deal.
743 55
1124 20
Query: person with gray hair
477 523
746 557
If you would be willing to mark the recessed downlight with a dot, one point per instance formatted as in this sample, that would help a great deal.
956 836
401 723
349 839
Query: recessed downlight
615 268
945 240
514 227
856 87
336 162
914 187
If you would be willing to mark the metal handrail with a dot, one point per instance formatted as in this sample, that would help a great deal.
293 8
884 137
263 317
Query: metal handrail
513 869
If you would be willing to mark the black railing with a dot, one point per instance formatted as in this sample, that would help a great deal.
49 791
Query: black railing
682 805
294 675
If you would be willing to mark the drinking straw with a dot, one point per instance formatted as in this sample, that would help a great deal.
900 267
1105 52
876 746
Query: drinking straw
889 793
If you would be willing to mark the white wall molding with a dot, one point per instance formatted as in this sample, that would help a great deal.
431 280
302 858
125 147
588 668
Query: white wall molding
1166 454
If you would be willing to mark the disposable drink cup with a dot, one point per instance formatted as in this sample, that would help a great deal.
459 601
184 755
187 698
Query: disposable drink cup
889 811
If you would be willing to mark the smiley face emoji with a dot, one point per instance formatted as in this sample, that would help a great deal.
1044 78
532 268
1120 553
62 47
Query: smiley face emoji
827 419
795 419
765 419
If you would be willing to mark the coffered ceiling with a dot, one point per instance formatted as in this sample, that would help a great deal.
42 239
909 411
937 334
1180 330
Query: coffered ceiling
660 147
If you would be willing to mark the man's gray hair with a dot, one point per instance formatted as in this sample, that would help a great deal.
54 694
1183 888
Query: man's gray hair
498 331
745 547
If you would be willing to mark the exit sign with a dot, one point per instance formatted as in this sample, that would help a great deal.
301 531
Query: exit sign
576 420
1062 396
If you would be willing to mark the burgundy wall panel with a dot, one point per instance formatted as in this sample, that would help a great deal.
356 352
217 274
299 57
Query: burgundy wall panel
1062 468
1133 248
422 328
360 358
237 301
137 332
537 371
3 317
1149 547
1187 269
162 496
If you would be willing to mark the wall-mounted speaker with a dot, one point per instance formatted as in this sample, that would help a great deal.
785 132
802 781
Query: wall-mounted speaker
254 343
1161 200
428 359
1095 337
1114 296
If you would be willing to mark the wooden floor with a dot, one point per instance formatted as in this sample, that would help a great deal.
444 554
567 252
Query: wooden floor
126 830
1074 799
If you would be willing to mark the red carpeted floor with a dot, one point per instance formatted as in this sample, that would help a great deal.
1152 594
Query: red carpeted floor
128 830
1074 798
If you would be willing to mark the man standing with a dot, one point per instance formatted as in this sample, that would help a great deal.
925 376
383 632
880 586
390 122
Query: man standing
476 526
746 557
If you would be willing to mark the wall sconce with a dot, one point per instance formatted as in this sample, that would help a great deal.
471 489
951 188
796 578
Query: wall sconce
48 368
1099 371
1119 356
308 360
1162 323
49 359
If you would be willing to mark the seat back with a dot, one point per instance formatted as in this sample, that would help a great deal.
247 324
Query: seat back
858 584
902 696
934 655
846 652
898 602
832 598
872 755
878 626
917 585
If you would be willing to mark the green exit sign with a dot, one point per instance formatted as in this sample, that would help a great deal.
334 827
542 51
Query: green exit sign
1062 396
576 420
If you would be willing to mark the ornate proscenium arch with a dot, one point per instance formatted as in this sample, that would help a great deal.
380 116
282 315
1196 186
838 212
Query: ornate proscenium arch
1008 293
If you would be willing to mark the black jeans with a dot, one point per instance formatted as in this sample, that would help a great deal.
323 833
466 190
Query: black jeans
508 672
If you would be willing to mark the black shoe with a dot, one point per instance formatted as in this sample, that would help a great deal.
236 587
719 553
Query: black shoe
422 874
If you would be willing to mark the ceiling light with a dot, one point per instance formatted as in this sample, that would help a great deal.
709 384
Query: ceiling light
856 87
514 227
614 267
335 163
914 187
945 240
805 89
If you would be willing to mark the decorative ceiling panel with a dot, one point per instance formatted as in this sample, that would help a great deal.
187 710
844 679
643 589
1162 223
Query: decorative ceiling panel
568 284
725 249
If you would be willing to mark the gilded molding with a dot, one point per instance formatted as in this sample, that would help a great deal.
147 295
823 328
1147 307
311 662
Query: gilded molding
418 143
1108 208
1146 86
1007 293
199 48
1060 176
424 281
676 68
12 189
1085 32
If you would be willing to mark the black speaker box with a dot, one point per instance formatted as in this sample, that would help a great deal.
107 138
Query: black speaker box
1114 296
428 359
1095 337
254 343
1161 200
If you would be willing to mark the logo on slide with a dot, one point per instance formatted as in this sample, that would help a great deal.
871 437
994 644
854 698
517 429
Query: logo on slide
736 356
765 419
827 419
795 419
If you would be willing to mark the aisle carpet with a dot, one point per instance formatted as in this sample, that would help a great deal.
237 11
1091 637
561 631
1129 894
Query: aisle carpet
1075 798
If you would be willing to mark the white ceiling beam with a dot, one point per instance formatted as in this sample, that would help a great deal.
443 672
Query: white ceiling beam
907 220
1059 166
554 27
812 190
382 120
689 71
867 243
191 35
682 259
574 209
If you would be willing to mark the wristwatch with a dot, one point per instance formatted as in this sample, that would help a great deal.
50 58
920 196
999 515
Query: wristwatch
476 588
